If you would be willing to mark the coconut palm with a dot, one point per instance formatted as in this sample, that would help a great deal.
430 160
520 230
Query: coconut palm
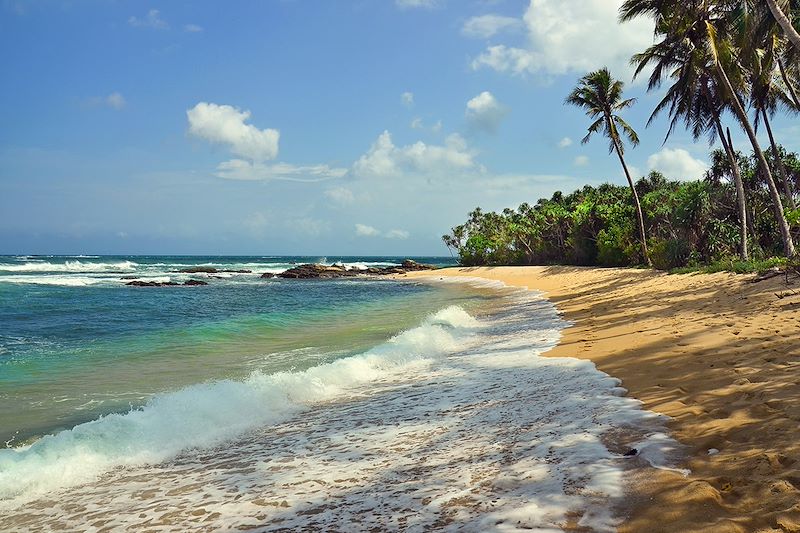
786 24
693 97
766 96
704 26
600 95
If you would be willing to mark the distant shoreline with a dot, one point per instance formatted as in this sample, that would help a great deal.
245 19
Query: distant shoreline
716 353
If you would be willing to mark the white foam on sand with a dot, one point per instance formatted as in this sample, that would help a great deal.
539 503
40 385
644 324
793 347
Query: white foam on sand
456 425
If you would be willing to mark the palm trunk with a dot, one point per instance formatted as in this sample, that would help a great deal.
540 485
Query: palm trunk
737 181
777 205
639 215
788 82
741 202
787 191
785 23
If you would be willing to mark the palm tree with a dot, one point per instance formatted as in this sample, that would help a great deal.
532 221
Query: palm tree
785 23
765 97
693 97
703 27
601 96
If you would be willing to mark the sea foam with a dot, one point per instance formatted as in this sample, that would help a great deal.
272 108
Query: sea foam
456 425
208 414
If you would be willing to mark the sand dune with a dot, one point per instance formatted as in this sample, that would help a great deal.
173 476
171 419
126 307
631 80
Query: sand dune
718 354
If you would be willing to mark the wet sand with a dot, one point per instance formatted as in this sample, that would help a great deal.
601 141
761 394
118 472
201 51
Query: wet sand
718 354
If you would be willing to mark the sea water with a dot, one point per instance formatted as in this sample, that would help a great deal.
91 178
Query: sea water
270 404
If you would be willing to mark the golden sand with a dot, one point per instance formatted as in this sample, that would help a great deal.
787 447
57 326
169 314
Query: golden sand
718 354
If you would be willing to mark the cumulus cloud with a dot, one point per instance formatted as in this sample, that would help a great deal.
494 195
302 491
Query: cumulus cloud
581 161
417 123
677 164
407 98
340 195
570 37
240 169
114 100
362 230
484 112
152 20
486 26
411 4
384 159
224 124
397 234
565 142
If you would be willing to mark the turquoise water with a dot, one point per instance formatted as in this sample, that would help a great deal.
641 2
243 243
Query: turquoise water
77 343
255 404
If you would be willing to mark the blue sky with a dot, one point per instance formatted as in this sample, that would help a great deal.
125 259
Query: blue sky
302 126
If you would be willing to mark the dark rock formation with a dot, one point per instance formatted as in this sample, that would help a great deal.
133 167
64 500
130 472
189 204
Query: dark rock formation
210 270
267 275
140 283
313 271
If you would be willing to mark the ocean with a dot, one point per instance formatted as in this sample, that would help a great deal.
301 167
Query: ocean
255 404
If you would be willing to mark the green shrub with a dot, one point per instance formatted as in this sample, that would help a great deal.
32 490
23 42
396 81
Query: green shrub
670 253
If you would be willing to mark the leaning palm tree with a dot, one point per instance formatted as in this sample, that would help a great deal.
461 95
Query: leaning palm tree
785 22
766 96
694 97
601 96
705 25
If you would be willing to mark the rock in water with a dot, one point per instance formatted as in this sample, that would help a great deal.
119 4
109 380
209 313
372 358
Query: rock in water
199 269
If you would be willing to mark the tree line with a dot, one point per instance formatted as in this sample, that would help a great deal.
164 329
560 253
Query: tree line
718 59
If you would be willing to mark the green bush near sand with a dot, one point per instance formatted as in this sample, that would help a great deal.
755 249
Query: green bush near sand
691 225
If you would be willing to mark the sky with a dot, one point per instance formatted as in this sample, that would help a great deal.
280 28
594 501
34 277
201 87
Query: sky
312 127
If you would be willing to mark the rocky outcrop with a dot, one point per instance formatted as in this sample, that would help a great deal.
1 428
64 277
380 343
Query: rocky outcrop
267 275
140 283
314 271
211 270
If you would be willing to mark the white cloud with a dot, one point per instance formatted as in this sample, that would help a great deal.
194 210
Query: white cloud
484 112
418 124
192 28
581 161
486 26
677 164
239 169
565 142
114 100
410 4
407 98
151 20
340 195
224 124
384 159
397 234
362 230
571 37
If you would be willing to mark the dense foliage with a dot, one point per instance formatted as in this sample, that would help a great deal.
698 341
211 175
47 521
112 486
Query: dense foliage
717 61
688 223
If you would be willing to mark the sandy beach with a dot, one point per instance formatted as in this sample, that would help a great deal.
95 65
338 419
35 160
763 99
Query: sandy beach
718 354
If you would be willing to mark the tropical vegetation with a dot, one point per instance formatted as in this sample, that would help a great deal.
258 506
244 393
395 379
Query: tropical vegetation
717 61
